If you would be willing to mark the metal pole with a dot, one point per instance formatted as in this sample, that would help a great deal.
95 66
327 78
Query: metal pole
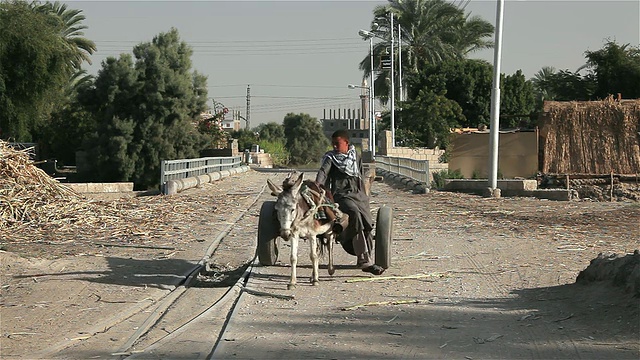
372 119
248 106
401 95
393 95
495 101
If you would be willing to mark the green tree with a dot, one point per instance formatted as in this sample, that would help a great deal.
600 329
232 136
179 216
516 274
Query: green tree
146 111
467 82
616 69
305 140
69 124
570 86
432 31
542 85
71 31
517 101
271 131
427 120
112 148
33 68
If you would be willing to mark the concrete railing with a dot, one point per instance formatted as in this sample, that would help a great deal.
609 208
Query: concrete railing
420 171
176 174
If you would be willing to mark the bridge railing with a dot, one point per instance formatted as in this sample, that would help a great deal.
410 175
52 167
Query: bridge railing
186 168
420 171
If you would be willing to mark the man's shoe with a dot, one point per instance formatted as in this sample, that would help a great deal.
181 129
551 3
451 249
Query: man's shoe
374 269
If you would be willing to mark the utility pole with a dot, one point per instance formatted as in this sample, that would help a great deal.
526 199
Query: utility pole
393 94
248 106
401 96
495 104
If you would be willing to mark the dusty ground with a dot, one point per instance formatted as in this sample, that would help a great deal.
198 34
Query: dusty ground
523 248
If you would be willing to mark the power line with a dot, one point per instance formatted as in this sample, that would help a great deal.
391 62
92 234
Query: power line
239 41
332 51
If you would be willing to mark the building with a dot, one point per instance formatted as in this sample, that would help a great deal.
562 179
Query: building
230 121
355 121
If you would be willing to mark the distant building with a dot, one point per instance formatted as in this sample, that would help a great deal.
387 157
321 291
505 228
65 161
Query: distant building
355 121
230 122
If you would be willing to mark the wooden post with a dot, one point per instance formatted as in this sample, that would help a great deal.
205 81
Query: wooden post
611 191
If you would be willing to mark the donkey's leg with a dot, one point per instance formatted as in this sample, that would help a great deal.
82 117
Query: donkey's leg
314 259
294 262
329 244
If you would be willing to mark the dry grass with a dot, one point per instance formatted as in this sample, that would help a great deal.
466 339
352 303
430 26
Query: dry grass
594 137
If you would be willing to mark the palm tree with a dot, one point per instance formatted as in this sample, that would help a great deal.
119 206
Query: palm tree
431 31
71 33
542 83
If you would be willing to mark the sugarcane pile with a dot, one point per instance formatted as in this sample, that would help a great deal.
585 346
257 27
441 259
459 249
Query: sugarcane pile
26 192
35 208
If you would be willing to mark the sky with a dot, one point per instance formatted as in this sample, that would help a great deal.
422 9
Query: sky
300 56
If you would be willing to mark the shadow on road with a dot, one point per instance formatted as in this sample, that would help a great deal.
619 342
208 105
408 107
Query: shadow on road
131 272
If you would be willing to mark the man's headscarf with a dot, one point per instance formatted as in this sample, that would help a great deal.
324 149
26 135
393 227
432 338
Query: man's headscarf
347 163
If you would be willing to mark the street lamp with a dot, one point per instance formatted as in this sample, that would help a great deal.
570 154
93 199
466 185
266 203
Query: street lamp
370 115
368 35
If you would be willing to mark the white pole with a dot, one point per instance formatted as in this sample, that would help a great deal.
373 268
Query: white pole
401 95
495 101
393 125
372 119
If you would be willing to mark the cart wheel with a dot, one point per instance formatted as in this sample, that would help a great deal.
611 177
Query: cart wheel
384 234
267 234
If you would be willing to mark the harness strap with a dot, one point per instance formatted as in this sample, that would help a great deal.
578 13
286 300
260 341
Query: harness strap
306 193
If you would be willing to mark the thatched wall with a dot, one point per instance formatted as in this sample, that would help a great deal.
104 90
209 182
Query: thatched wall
590 137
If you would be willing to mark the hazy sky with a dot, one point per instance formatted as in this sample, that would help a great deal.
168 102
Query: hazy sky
299 56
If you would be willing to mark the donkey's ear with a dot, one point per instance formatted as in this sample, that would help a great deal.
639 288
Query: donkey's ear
298 183
275 189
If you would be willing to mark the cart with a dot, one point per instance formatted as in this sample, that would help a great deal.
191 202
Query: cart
268 235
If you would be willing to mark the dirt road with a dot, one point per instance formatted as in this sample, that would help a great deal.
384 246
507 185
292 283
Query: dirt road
471 278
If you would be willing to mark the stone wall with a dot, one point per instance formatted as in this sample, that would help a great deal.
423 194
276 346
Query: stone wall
385 148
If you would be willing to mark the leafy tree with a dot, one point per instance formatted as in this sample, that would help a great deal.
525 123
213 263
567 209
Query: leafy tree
569 86
517 101
611 70
432 31
70 31
33 68
467 82
542 85
305 140
616 69
111 148
271 131
69 125
427 120
146 111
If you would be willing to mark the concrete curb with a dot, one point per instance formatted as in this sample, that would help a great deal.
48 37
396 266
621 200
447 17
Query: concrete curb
415 186
173 187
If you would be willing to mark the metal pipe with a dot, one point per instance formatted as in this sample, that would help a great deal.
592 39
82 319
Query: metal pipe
401 95
372 119
393 95
495 101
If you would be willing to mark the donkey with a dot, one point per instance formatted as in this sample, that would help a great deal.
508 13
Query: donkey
296 209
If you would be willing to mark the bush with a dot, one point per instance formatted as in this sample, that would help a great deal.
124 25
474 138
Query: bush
439 177
278 151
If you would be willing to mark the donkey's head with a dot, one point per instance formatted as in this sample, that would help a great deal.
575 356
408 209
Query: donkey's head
287 203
